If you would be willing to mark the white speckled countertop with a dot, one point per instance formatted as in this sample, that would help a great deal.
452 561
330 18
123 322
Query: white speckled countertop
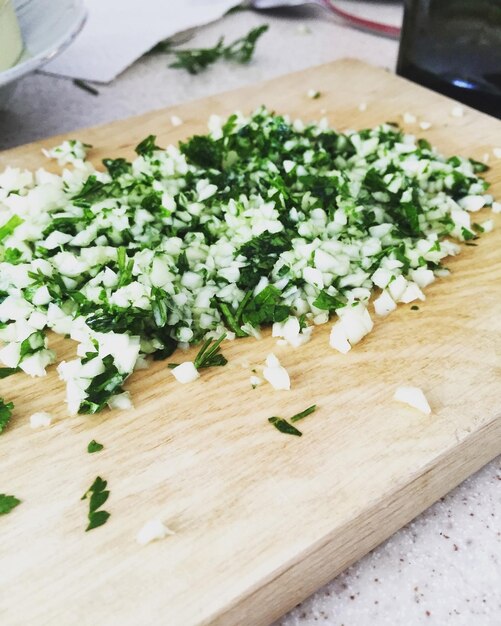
445 567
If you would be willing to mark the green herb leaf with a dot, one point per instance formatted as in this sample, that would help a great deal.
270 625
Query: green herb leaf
10 226
327 302
102 387
7 503
12 256
97 499
467 234
266 308
97 495
8 371
147 146
5 413
209 355
284 427
242 49
117 167
96 519
94 446
195 60
202 150
306 412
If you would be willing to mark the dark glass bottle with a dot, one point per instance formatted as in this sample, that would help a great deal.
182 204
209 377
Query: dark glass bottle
454 47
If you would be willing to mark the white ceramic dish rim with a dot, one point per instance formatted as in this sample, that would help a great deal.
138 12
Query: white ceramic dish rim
44 56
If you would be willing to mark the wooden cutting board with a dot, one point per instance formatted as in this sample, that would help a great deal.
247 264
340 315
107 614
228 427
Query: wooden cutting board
261 519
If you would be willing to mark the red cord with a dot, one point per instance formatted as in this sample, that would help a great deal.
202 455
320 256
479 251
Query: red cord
359 22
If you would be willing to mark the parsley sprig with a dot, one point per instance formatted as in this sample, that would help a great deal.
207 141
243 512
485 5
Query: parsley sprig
7 503
195 60
97 495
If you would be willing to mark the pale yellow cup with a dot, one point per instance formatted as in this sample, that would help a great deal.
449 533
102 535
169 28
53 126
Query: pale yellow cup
11 42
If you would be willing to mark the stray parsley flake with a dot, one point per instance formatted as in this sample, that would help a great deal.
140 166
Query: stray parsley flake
305 413
284 427
7 503
8 371
5 413
209 355
94 446
97 494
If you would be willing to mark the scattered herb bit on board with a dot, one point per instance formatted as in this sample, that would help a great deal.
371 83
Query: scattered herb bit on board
209 355
284 427
305 413
8 371
94 446
7 503
5 413
195 60
97 495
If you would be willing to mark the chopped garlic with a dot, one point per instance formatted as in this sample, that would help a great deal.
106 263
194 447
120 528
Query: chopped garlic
186 372
355 322
362 106
457 111
313 94
175 120
384 304
275 374
496 207
40 420
424 125
120 401
255 381
472 203
152 531
291 332
409 118
496 152
413 396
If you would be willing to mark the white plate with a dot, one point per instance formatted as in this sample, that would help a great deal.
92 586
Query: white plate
47 27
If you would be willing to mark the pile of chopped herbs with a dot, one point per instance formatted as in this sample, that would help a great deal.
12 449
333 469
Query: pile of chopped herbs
261 219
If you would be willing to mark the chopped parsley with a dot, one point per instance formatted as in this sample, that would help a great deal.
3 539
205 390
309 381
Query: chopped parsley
94 446
7 503
8 371
5 413
97 494
284 427
305 413
209 355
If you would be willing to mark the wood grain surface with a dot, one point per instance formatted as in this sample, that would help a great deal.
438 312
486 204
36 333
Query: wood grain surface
261 519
